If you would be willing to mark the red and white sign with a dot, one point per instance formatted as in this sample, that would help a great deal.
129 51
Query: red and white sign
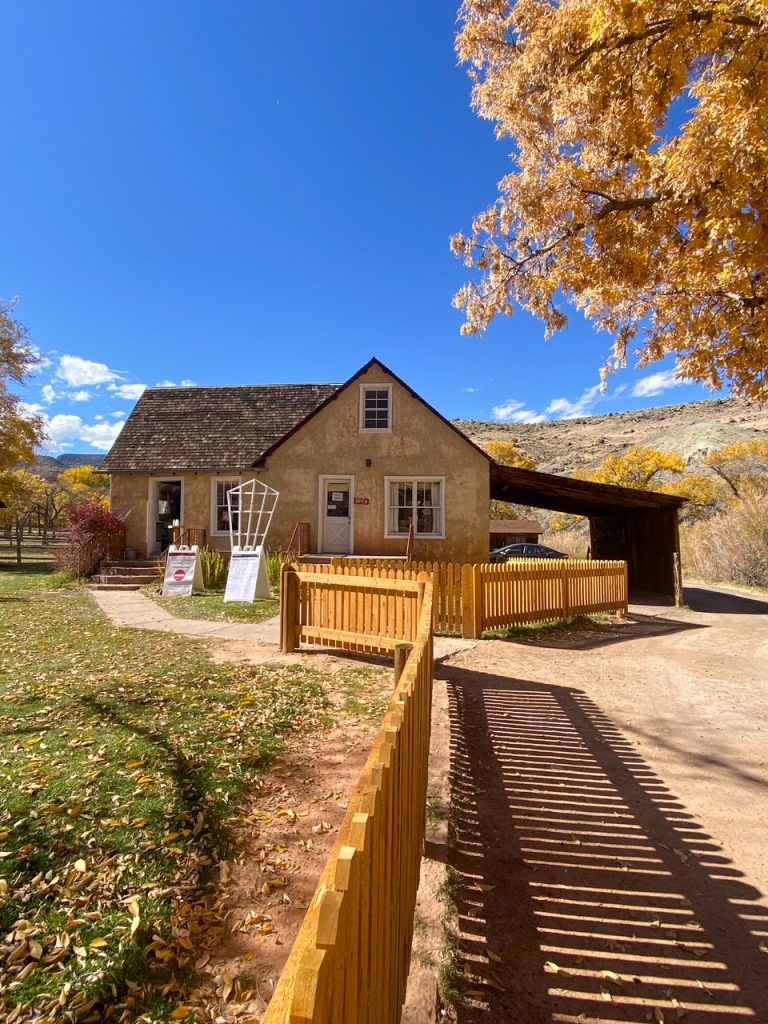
182 572
360 500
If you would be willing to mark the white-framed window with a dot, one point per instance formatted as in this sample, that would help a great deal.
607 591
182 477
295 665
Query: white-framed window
375 408
420 501
219 510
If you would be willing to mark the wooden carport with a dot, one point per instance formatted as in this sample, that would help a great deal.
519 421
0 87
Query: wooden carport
638 526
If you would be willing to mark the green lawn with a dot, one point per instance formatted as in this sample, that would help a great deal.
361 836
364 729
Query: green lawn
211 606
123 760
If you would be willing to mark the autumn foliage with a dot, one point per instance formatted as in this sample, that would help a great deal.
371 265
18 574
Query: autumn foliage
19 432
87 520
639 188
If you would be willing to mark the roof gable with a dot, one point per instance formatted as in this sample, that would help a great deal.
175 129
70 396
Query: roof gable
210 428
356 376
225 428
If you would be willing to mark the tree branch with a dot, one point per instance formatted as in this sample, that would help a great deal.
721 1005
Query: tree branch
658 29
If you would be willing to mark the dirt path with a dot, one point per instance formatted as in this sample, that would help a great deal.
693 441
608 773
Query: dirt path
610 803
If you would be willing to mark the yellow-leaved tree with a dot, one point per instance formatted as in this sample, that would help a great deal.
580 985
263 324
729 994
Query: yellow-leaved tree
22 494
19 431
638 467
508 454
740 465
639 186
85 482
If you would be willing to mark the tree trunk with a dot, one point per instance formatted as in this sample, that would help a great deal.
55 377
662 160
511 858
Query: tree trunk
19 532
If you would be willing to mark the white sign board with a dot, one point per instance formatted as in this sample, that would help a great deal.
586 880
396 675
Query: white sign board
247 578
182 572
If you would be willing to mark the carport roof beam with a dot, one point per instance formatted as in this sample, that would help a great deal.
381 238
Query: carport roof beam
566 494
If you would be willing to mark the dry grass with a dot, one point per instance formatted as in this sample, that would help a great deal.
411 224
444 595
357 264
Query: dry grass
732 546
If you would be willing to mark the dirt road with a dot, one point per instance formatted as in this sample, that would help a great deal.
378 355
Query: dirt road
610 804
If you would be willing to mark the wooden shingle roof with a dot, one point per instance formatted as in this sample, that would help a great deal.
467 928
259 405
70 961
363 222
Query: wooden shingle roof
211 428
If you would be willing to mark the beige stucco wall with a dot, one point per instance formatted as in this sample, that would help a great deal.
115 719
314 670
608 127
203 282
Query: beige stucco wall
419 445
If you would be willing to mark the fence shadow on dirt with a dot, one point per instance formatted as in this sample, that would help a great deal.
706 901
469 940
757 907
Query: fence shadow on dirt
584 889
588 634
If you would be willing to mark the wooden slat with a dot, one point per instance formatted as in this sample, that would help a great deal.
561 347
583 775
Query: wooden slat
316 634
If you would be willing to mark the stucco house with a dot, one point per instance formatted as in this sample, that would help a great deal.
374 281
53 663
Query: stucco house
360 462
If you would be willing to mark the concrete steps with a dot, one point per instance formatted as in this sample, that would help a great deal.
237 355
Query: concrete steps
125 575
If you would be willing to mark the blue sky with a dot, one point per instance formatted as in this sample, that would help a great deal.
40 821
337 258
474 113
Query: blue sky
234 192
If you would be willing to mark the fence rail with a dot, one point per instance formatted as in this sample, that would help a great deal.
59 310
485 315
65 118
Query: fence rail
371 613
350 959
470 599
89 554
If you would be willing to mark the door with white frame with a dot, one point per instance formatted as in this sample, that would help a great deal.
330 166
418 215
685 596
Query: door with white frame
166 503
336 507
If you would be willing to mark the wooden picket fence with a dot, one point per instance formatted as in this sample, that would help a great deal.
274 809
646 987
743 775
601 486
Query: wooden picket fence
447 610
350 960
470 599
372 613
520 592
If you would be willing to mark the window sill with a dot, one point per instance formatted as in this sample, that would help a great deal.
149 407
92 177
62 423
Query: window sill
416 536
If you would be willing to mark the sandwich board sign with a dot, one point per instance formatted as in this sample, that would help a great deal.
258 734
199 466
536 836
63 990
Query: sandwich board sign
250 507
182 571
247 578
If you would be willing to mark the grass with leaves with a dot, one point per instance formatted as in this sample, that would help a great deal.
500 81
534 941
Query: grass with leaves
123 759
213 608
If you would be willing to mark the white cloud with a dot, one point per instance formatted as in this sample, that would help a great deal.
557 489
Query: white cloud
130 392
513 411
43 360
31 408
64 429
564 409
657 383
78 372
470 390
49 394
80 396
117 414
173 384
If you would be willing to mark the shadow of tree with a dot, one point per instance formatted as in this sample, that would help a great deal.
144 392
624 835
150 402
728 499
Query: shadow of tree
706 599
184 771
585 890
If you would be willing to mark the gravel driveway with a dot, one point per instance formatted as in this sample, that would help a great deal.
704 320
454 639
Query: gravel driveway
610 803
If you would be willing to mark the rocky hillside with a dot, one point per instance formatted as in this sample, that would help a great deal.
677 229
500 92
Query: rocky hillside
562 446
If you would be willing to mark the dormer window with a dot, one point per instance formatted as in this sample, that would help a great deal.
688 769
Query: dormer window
375 407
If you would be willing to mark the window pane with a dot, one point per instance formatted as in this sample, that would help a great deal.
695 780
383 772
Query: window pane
376 409
418 502
222 511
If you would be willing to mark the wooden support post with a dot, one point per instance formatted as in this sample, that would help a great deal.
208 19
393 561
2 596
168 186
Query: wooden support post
678 569
467 616
471 602
477 592
565 571
401 656
289 594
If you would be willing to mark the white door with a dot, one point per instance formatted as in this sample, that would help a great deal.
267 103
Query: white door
336 516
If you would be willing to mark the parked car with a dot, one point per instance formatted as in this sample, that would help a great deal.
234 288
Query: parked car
525 551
